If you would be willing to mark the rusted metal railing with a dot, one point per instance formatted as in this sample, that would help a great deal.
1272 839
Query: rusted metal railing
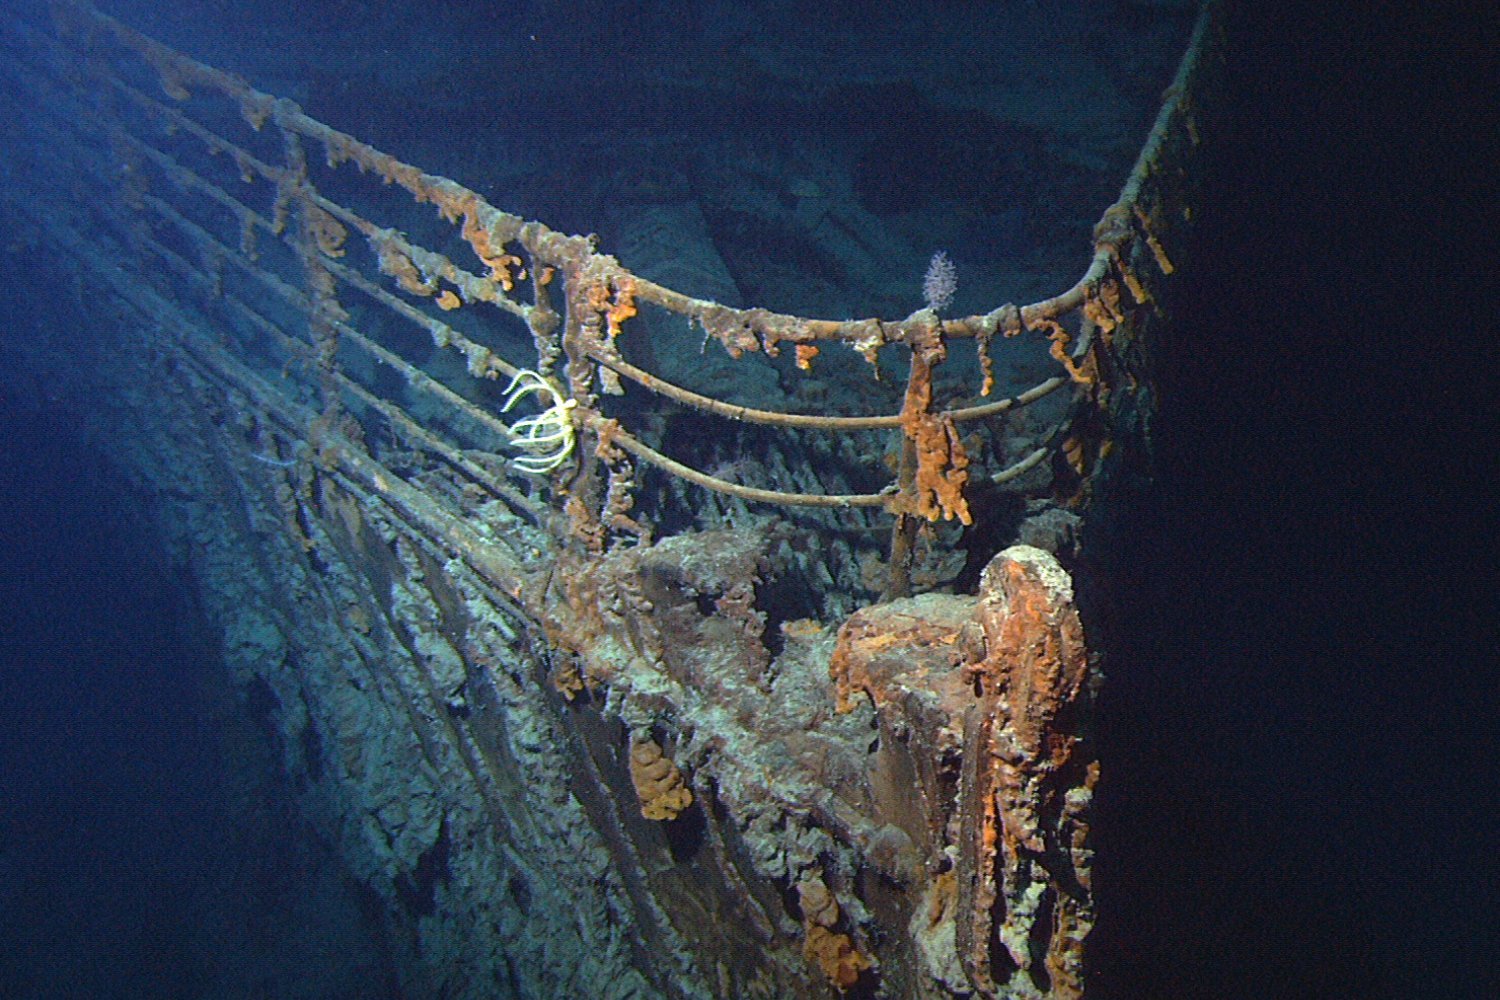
574 302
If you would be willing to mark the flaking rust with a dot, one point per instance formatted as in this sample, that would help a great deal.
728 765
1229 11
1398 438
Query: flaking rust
1027 780
996 688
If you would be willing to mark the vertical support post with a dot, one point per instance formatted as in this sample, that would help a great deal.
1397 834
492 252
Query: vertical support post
904 530
933 464
581 324
317 233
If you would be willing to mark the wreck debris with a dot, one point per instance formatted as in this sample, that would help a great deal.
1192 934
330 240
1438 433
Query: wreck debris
996 688
1027 781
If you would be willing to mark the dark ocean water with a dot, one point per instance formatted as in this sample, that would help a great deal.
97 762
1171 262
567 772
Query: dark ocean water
1299 728
147 845
1300 721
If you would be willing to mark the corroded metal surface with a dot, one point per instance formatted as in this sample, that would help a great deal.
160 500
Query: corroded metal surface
573 740
983 704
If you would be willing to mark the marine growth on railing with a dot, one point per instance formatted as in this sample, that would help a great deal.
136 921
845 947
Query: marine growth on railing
270 213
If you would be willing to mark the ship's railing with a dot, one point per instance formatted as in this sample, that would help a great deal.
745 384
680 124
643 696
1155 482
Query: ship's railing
300 239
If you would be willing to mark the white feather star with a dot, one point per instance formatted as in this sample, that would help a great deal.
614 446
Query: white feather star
547 438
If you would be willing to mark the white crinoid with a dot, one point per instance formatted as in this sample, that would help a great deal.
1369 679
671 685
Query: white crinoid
547 438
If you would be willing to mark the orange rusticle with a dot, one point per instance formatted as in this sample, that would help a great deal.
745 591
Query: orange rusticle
453 204
986 363
942 463
623 306
447 301
395 263
831 951
805 355
942 469
500 270
1148 228
835 954
616 308
329 233
1060 339
1034 651
1101 306
658 784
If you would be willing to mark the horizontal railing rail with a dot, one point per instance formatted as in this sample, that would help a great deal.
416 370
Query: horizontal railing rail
571 457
